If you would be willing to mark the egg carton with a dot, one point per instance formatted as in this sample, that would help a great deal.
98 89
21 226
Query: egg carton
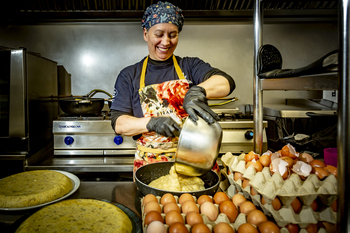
241 218
271 186
211 224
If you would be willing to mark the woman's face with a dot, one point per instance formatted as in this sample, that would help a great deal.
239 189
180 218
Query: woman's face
162 40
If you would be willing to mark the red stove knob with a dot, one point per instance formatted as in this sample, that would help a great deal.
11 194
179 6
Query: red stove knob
249 134
118 139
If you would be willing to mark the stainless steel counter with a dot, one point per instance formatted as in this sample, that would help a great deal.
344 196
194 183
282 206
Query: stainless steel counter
125 193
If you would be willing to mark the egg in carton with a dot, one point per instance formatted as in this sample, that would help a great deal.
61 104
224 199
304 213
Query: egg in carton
272 186
221 217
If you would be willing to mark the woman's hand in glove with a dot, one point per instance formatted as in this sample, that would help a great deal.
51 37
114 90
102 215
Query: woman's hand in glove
165 126
195 103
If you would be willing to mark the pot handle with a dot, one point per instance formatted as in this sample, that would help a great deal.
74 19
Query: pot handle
94 91
226 102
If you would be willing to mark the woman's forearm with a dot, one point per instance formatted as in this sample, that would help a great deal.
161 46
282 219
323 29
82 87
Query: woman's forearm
130 125
216 86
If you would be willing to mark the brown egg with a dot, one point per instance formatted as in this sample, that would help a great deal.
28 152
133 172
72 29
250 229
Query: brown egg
330 228
331 169
255 217
247 228
251 156
315 205
156 226
265 160
228 208
210 210
167 198
317 163
320 172
204 198
334 206
149 198
292 228
178 227
263 200
200 228
220 197
189 206
238 176
223 227
152 206
257 165
296 205
193 218
245 183
170 206
185 197
289 150
276 203
281 167
289 160
253 192
246 207
153 216
238 199
311 228
173 217
268 227
305 157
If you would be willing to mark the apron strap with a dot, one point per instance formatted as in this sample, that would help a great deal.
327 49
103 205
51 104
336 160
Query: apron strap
144 67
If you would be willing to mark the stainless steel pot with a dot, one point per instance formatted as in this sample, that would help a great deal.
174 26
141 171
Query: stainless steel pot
147 173
198 147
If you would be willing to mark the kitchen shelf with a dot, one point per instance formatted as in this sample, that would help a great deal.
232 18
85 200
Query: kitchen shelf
324 81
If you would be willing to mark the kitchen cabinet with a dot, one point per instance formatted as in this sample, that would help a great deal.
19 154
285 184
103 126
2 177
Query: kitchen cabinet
329 81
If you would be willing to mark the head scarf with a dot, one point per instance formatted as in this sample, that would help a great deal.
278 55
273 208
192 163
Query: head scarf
162 12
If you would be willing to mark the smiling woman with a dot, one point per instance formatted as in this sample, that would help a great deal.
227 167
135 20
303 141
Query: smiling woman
154 96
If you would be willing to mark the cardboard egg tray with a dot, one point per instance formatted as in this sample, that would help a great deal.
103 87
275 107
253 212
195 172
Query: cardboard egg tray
241 218
211 224
270 187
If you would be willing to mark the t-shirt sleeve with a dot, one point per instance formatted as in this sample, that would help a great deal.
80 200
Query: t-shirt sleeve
196 69
122 94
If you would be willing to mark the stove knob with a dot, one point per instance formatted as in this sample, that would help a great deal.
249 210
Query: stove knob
68 140
118 140
249 135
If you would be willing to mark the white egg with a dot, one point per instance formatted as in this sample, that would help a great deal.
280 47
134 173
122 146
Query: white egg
156 227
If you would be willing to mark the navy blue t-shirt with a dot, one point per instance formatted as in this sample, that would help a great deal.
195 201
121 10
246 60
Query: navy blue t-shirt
126 89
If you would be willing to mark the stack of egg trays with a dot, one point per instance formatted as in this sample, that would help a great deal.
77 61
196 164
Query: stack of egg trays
270 187
211 224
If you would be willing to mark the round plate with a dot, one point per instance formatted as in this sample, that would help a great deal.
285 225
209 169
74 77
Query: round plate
134 218
76 183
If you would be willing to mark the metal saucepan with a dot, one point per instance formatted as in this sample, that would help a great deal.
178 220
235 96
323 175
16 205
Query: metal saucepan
198 147
83 105
147 173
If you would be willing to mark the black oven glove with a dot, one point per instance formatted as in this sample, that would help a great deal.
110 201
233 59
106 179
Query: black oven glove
165 126
196 104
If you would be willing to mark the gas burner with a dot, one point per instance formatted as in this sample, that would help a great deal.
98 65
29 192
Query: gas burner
65 117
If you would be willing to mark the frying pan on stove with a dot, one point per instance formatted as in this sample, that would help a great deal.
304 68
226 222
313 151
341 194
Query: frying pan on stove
83 105
147 173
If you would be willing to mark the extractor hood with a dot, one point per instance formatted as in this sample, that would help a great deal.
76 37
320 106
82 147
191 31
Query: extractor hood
39 11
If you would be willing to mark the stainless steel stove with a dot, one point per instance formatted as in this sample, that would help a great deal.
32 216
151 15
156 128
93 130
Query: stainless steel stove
87 144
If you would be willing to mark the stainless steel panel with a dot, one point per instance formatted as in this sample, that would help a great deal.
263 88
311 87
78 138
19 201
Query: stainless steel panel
18 95
119 152
85 168
239 124
89 127
78 152
327 81
93 141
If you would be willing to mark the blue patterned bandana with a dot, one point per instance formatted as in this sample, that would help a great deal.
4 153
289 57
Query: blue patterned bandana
162 12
